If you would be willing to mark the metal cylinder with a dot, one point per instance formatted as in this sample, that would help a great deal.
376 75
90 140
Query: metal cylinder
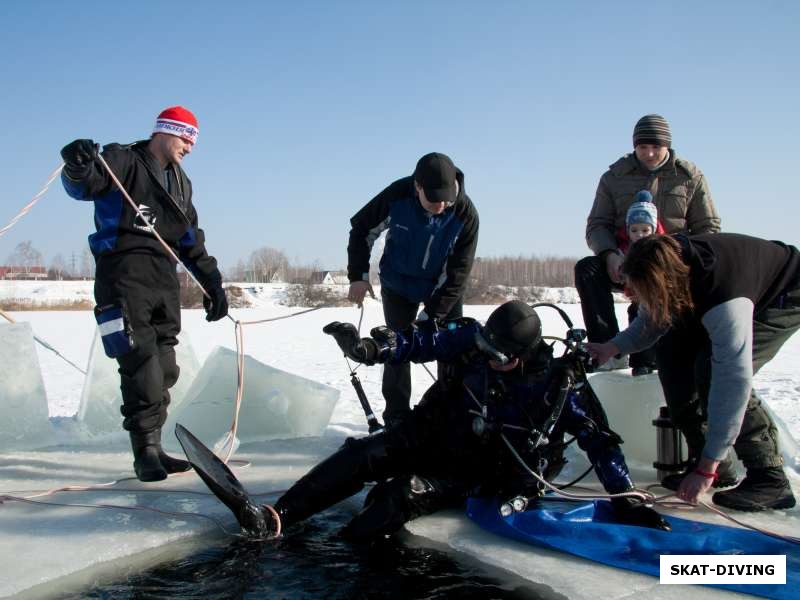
669 445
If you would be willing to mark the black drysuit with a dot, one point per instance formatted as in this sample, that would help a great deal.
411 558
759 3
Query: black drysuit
135 273
435 460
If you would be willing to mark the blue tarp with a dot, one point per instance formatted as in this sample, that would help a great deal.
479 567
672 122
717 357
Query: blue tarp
588 530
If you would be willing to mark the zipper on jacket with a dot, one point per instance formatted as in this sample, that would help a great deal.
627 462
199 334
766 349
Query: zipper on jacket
174 202
427 252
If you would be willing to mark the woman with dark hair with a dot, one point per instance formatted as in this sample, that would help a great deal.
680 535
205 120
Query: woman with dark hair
718 307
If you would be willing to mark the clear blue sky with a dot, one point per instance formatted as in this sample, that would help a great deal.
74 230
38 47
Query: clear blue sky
308 109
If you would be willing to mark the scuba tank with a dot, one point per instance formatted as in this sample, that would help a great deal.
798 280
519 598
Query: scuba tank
669 445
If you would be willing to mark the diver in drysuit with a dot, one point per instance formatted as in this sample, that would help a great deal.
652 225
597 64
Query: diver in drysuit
501 385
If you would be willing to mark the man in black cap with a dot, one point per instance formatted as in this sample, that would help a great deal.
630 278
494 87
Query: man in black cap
431 234
503 388
683 201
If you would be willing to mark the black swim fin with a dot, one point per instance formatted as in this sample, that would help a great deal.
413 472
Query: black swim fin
254 519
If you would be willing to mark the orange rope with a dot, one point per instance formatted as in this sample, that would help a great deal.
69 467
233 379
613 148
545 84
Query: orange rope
31 204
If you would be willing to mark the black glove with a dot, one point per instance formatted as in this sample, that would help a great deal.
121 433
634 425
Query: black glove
217 305
631 511
363 350
78 157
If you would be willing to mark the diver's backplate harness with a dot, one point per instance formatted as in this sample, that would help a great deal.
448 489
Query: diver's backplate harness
568 378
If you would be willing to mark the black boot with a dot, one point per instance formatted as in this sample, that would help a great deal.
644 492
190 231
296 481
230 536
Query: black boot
146 462
170 463
726 475
761 489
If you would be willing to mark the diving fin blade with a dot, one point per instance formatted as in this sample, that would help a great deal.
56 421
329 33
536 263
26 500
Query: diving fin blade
218 477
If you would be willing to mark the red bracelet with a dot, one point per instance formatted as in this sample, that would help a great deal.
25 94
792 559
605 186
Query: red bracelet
707 475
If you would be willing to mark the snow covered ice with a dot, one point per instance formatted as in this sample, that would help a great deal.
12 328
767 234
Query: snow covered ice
51 549
24 423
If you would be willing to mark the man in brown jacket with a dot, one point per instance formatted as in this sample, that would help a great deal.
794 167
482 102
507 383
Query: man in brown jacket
684 204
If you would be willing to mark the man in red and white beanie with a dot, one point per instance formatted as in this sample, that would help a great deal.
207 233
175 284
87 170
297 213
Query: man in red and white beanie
177 120
136 285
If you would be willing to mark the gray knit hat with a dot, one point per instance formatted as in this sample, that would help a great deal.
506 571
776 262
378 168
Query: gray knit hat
652 129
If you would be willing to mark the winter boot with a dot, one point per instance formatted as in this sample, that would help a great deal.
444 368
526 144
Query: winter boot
170 463
761 489
726 475
146 462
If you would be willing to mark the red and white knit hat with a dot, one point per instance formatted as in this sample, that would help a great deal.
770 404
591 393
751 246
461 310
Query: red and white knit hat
179 121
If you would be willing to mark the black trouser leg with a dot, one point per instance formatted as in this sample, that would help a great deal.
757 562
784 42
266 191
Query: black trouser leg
597 304
141 384
339 476
148 288
399 313
645 358
679 355
408 455
150 370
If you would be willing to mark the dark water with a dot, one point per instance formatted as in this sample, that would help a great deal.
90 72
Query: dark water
313 562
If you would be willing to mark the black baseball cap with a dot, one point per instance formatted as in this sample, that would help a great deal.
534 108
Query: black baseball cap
436 174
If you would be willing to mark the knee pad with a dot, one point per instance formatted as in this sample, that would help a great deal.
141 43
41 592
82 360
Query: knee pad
169 367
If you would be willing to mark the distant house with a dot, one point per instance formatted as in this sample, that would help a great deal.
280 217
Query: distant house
20 272
329 278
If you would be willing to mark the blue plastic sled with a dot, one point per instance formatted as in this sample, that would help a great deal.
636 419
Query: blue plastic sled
588 530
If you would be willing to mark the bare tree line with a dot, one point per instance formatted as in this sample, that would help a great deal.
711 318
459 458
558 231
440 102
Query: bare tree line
545 271
268 264
265 265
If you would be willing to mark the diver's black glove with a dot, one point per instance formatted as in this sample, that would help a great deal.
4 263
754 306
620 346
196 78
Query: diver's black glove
631 511
363 350
217 305
78 157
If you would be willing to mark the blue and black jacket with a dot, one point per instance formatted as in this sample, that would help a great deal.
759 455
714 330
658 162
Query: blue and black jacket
513 402
427 258
163 196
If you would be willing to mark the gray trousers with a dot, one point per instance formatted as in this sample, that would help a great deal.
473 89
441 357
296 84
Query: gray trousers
683 356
